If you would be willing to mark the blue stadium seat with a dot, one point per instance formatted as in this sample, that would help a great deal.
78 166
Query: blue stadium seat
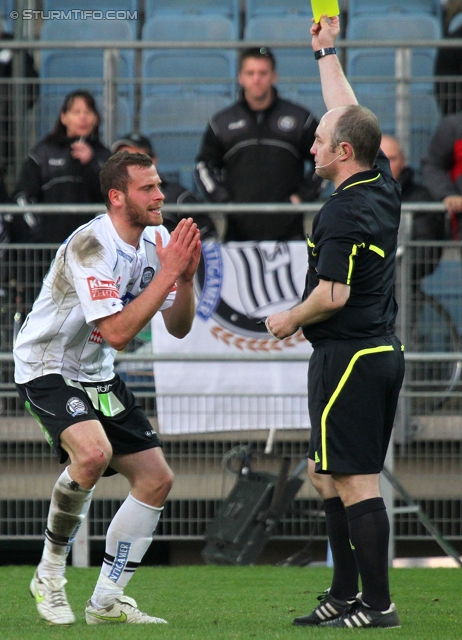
379 63
6 7
445 284
69 69
455 24
424 117
228 8
75 65
175 124
367 7
297 69
89 5
208 70
255 8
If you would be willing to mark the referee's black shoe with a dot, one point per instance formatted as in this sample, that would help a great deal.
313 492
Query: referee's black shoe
328 609
359 615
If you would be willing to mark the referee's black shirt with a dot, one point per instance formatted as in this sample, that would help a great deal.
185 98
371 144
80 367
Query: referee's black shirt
353 241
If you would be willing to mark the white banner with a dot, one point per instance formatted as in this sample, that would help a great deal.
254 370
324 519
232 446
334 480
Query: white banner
237 284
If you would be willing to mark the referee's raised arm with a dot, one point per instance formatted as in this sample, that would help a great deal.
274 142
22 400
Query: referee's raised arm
336 90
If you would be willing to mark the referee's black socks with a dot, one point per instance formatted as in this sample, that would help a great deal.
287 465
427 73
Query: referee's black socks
345 579
369 531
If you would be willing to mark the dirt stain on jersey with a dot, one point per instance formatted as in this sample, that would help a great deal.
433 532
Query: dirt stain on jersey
60 285
86 249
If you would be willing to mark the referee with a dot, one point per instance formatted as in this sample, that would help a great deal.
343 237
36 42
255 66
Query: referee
357 367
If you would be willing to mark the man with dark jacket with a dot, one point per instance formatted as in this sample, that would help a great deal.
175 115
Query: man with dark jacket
425 226
255 151
442 168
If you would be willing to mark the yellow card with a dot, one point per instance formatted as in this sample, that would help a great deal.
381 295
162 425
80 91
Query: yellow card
328 7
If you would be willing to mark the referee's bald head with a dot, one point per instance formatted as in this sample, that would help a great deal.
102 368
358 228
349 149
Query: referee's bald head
358 126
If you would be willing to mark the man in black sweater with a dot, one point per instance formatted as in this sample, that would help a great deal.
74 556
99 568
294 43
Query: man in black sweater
425 226
255 151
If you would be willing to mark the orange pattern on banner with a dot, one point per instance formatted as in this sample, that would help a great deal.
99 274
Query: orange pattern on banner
256 344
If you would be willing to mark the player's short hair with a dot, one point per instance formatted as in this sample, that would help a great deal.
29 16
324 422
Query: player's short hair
360 127
257 52
114 174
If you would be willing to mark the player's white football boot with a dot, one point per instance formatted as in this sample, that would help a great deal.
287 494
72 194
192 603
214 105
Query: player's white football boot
51 600
123 611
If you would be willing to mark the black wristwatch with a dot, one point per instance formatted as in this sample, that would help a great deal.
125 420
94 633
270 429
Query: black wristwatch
325 52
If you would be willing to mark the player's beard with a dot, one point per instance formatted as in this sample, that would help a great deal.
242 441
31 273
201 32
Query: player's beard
138 216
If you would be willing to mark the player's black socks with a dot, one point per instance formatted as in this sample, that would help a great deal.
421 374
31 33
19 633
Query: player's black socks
369 534
345 579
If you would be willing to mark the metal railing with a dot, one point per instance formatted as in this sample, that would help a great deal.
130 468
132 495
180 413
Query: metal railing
110 82
427 456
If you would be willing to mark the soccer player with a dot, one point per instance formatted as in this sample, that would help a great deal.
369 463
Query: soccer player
357 366
107 281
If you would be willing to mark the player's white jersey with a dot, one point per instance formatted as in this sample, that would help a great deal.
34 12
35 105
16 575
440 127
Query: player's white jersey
94 274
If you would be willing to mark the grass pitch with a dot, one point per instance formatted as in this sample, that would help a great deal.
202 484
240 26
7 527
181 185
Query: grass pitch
229 603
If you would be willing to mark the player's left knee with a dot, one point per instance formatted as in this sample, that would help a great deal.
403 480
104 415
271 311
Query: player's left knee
161 484
166 480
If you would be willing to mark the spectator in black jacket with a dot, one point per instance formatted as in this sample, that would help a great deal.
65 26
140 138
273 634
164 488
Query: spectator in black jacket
255 151
64 168
425 226
174 192
442 168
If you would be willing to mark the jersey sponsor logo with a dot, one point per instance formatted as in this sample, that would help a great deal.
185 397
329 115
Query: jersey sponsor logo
95 337
120 561
76 407
150 433
57 162
146 277
239 124
104 388
287 123
265 280
102 289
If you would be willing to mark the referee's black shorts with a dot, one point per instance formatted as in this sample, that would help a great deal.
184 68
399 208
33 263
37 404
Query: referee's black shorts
57 403
353 389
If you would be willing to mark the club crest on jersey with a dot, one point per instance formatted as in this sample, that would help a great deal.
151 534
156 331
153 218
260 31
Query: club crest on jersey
239 124
102 289
287 123
76 407
266 285
146 277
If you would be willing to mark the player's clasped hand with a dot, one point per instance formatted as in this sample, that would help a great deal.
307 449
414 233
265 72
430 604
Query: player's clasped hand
182 254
